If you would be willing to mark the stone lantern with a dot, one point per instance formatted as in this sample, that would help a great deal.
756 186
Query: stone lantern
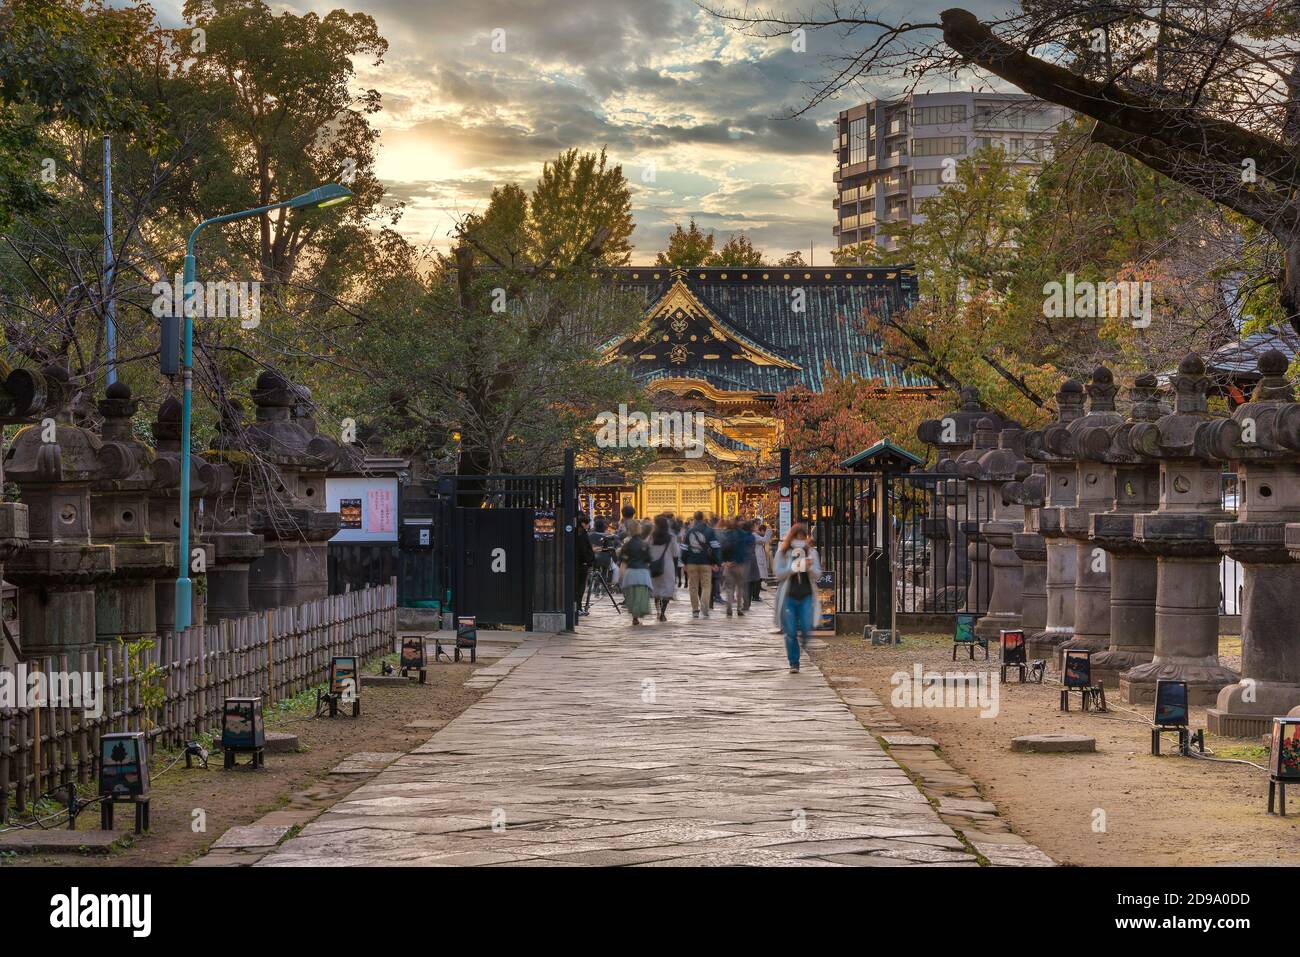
1050 447
54 462
952 435
289 499
23 395
1263 437
1095 492
1003 520
125 607
1136 484
1030 547
979 498
1180 533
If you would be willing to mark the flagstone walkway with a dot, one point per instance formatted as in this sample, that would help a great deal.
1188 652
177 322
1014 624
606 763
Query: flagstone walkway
668 744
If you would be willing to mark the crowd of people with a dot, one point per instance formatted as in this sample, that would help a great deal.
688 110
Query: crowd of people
723 563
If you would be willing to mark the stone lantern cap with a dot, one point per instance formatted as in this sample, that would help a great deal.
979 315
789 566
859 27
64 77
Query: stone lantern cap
956 430
73 454
1173 436
1052 442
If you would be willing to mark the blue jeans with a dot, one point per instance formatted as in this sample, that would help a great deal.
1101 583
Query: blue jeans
796 617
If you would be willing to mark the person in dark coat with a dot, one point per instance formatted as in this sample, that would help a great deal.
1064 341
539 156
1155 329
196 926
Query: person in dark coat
584 559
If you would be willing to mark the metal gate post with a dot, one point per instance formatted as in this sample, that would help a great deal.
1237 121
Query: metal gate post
569 504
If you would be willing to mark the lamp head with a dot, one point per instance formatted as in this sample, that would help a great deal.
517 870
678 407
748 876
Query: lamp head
331 194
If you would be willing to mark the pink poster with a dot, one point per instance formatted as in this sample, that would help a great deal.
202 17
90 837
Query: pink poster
379 514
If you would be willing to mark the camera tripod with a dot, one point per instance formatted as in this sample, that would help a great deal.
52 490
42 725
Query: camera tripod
596 582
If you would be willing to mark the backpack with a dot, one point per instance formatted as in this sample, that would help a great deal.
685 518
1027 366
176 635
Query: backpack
697 541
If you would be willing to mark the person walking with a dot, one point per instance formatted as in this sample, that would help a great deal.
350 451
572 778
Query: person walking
584 560
738 547
699 562
664 552
635 555
798 566
715 581
762 561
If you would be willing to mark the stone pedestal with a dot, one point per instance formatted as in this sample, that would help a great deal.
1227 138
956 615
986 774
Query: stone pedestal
1045 446
1006 517
1263 437
1095 492
1180 533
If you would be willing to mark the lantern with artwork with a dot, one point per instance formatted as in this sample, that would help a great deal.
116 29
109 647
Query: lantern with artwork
243 730
124 776
1284 760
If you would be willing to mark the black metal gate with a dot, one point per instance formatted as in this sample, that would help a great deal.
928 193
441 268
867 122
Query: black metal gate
504 545
942 564
897 542
842 515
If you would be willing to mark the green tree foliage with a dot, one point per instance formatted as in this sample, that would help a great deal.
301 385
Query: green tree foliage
737 251
500 342
687 248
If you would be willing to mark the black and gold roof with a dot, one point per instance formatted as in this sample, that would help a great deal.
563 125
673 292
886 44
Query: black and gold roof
762 331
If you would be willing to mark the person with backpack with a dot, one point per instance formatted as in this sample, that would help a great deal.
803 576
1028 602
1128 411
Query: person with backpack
635 555
700 561
798 606
738 553
664 552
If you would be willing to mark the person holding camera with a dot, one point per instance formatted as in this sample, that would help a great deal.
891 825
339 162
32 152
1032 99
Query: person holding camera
798 566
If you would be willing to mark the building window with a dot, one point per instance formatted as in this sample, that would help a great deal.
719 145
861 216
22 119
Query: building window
932 115
927 177
859 140
939 146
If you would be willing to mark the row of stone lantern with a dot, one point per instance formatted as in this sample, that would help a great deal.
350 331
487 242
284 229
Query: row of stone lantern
92 543
1122 532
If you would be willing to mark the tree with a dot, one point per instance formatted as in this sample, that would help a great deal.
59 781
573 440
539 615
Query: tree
792 260
737 252
499 342
850 414
1208 96
857 254
687 248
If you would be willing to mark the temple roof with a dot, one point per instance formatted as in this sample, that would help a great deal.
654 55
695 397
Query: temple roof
763 330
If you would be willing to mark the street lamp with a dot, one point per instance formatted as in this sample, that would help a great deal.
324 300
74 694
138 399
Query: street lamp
331 194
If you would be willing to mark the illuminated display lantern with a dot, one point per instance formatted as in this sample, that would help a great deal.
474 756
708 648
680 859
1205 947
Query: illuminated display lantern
343 686
242 730
963 636
1076 675
1013 652
467 637
1171 703
124 776
1171 714
413 657
1284 760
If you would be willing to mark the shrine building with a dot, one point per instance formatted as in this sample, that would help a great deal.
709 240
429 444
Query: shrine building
724 343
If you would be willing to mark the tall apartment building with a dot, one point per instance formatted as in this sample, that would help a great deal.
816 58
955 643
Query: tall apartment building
889 154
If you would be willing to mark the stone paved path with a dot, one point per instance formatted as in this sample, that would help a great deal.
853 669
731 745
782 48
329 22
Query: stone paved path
667 744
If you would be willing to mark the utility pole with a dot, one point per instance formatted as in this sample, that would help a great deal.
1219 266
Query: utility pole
110 298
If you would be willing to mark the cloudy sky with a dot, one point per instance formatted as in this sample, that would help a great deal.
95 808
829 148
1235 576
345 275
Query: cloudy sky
698 115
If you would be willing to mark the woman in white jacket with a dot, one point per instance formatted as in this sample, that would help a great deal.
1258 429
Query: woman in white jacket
798 566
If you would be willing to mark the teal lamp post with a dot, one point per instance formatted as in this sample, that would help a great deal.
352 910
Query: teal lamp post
330 194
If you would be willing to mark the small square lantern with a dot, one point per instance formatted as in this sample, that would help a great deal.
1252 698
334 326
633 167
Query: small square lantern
1171 704
414 657
1284 760
343 680
1077 672
242 730
467 637
1013 647
123 766
124 776
963 636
